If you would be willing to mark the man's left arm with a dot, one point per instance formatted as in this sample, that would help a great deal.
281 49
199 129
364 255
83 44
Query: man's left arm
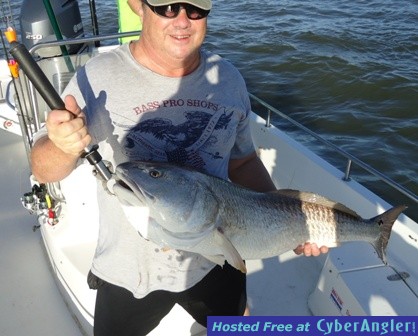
251 173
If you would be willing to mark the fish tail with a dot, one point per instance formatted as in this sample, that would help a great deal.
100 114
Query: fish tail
385 222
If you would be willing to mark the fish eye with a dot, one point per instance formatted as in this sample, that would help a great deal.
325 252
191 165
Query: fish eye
155 173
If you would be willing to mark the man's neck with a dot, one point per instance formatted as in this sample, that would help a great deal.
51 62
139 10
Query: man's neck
152 61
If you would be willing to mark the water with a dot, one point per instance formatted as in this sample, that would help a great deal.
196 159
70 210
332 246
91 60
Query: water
346 69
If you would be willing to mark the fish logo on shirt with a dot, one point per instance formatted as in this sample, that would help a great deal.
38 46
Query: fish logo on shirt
181 143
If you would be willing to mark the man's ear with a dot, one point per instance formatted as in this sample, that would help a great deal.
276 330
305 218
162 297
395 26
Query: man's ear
136 7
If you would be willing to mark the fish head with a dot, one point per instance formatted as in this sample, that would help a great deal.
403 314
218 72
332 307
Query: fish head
179 199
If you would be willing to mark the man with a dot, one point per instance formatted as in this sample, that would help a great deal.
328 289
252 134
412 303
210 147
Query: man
161 98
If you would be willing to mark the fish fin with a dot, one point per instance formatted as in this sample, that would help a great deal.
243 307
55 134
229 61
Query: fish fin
385 222
309 197
217 259
229 251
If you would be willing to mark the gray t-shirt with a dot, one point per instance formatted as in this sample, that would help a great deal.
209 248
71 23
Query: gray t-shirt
200 120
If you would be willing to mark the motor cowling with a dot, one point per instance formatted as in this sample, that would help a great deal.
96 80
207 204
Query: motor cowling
35 26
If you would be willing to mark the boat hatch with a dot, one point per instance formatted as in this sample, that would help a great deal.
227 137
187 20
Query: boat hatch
353 282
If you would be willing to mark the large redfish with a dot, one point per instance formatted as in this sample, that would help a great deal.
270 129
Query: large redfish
196 212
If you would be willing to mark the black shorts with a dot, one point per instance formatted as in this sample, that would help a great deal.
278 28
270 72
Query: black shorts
220 293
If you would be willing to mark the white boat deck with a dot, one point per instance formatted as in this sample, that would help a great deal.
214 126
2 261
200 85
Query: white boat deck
30 301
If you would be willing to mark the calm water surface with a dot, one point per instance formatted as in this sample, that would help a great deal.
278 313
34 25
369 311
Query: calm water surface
346 69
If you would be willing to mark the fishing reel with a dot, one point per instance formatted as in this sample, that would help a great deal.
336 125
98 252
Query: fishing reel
39 202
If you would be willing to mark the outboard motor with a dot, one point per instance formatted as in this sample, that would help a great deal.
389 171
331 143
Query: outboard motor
36 27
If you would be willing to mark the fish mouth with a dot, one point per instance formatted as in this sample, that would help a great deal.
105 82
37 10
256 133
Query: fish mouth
125 181
123 184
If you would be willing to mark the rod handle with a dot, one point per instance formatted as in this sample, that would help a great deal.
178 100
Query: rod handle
36 76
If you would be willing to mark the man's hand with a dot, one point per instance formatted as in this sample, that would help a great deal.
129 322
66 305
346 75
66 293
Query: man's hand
309 249
67 128
53 157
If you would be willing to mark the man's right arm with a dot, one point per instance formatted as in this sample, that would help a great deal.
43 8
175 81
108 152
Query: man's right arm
53 157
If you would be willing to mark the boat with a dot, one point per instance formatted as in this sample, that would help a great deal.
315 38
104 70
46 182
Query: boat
49 251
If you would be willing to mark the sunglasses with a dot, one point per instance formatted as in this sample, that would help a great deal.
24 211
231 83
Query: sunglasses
173 10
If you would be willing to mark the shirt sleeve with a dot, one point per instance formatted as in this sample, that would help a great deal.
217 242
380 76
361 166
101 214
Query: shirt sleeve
244 144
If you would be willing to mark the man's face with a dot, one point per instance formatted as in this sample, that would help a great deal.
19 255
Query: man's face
175 40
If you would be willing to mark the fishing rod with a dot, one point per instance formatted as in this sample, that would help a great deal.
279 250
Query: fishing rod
54 101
